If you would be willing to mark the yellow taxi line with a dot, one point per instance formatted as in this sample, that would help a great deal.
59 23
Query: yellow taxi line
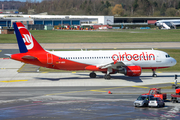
174 83
140 87
98 91
13 81
44 72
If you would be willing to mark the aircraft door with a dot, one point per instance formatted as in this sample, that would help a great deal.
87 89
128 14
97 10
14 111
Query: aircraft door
158 57
49 58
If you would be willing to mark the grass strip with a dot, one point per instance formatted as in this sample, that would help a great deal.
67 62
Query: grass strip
113 36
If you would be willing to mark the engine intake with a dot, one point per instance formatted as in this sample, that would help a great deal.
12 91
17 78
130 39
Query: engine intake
131 71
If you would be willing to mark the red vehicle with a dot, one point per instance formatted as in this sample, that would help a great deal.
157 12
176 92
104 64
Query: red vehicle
176 97
156 92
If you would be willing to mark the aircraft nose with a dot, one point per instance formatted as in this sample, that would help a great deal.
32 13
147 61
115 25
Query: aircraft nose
173 61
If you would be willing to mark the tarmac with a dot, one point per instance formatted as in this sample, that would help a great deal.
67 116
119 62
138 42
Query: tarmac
74 95
139 45
9 77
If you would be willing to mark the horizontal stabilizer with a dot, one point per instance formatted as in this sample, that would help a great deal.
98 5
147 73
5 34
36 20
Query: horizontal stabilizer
29 57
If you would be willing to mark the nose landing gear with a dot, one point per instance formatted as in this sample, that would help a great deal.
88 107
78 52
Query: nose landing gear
154 73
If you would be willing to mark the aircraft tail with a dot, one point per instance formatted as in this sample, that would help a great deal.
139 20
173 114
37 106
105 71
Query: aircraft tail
26 42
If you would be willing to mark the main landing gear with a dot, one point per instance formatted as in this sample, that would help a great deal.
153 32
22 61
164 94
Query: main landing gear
154 74
107 76
92 75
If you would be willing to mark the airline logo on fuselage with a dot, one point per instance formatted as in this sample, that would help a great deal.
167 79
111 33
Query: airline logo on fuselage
136 57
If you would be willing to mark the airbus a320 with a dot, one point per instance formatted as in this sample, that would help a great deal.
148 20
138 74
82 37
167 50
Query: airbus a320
128 62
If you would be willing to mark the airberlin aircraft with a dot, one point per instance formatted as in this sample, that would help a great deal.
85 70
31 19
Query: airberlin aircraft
128 62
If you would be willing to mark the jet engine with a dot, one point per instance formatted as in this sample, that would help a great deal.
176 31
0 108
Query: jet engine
131 70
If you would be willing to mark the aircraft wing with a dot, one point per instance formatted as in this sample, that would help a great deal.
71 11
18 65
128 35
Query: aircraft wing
29 57
112 65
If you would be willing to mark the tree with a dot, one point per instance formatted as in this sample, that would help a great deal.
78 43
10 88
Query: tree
108 4
135 5
144 7
118 10
163 9
171 12
178 5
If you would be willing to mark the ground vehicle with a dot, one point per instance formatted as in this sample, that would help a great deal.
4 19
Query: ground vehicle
142 100
156 92
156 102
176 97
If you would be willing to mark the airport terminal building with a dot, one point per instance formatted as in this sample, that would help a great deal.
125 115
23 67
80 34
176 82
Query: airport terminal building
53 20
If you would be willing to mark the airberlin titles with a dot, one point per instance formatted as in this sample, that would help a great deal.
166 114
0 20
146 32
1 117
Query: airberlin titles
142 56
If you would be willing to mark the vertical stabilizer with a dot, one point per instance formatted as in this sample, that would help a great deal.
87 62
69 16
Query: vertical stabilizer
26 42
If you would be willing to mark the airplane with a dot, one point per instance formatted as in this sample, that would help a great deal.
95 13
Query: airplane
167 24
127 62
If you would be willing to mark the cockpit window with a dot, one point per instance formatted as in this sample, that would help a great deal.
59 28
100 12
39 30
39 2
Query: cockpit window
167 56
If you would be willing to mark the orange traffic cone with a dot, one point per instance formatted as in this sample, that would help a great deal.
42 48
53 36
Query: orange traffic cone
109 92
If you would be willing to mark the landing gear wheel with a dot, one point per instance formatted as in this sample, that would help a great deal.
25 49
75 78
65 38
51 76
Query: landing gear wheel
154 75
107 77
92 75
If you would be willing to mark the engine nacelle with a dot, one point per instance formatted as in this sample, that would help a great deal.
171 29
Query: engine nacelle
131 71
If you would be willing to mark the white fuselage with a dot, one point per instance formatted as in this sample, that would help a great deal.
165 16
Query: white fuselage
174 22
143 58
